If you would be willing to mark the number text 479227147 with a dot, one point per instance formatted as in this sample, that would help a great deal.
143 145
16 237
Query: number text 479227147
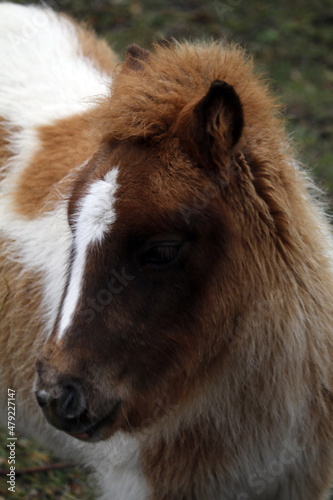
11 445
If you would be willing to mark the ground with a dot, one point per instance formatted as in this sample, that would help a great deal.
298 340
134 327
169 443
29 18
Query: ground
291 42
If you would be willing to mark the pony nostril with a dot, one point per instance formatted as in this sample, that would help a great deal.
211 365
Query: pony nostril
70 403
65 408
43 398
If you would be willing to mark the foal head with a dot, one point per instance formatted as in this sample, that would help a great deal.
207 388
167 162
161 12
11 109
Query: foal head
146 306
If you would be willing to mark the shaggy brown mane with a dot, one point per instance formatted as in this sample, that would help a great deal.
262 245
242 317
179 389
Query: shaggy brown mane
173 79
155 100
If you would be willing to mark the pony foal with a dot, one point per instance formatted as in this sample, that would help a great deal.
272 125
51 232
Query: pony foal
166 274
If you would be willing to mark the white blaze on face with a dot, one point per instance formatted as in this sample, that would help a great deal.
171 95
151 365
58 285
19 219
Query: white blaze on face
94 217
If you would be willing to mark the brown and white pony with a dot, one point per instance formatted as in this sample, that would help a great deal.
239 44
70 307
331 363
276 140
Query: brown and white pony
166 273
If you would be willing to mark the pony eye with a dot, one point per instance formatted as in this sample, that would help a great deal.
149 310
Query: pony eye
161 254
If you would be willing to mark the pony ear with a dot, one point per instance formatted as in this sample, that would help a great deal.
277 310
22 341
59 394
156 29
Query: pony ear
134 57
217 124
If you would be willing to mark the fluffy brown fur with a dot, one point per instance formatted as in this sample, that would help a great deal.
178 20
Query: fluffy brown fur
240 337
40 189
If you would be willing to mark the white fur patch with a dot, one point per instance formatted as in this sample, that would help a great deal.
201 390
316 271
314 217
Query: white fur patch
119 473
42 245
93 219
43 77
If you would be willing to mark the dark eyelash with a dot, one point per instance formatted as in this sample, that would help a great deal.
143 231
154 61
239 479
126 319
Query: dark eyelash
161 254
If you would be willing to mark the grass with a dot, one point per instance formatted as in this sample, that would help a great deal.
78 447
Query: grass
291 42
64 483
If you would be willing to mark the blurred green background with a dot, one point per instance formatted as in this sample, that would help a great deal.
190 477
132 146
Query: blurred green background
291 41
